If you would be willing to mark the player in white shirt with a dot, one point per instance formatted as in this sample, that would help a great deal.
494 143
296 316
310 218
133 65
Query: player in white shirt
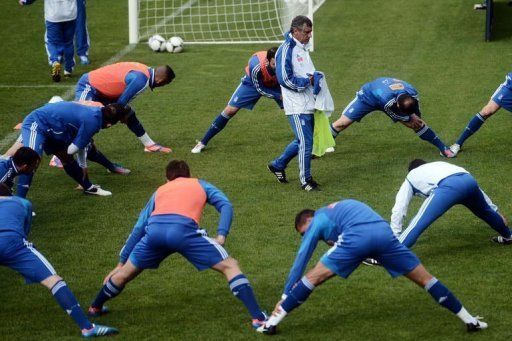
443 185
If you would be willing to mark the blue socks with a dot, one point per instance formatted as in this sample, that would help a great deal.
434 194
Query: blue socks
24 181
217 125
70 305
298 295
472 127
109 290
443 295
74 171
241 288
427 134
94 155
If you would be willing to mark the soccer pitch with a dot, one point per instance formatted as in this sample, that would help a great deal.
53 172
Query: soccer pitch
435 45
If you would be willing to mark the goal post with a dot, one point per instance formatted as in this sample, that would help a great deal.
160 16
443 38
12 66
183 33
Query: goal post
216 21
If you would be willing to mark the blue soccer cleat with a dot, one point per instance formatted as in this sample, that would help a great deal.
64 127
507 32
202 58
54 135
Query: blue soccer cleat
96 312
99 330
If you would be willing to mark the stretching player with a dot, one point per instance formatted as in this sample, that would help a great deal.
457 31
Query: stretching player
356 232
443 185
120 83
502 97
397 99
170 223
24 161
20 255
259 80
65 129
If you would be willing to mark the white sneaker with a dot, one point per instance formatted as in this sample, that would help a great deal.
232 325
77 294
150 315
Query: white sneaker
479 325
97 190
330 150
455 148
198 148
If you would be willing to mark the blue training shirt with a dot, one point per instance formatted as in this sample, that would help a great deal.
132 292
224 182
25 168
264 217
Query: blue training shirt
327 225
256 80
69 122
214 197
136 82
15 216
383 92
8 172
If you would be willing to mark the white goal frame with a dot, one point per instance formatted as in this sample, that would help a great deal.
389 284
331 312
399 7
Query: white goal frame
135 37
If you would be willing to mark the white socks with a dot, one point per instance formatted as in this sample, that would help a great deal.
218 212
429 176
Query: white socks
146 140
466 317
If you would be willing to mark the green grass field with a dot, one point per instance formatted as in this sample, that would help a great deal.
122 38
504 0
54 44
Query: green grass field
435 45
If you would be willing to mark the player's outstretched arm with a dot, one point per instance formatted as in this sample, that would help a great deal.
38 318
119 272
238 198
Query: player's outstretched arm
217 199
399 211
136 82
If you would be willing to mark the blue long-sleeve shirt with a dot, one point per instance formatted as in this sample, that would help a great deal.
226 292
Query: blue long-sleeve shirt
255 79
8 172
285 67
15 216
327 225
383 92
68 122
136 82
214 197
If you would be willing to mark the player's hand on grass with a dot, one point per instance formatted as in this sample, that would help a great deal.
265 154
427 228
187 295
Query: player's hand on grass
220 239
111 273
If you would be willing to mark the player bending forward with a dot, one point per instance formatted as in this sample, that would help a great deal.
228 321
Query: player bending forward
170 223
357 232
20 255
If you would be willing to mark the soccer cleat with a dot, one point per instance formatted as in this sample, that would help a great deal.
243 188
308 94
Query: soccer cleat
97 190
311 185
280 174
268 330
56 68
68 74
118 169
55 162
502 240
448 153
330 150
198 148
99 330
96 312
371 262
155 148
455 148
256 323
475 327
84 60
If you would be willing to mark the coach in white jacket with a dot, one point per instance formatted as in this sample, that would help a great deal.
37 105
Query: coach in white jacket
295 70
443 185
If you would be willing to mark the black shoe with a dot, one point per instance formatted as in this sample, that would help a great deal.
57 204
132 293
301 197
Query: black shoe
475 327
280 174
371 262
502 240
311 185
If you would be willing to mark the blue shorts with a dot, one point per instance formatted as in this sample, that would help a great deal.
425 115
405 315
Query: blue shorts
369 241
21 256
246 97
162 240
358 108
32 137
85 92
503 95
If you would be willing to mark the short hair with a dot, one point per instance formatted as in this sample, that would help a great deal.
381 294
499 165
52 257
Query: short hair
407 104
416 163
302 216
299 21
5 191
113 113
26 156
169 72
177 169
271 53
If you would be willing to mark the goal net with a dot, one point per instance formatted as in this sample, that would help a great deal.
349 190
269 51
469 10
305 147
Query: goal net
216 21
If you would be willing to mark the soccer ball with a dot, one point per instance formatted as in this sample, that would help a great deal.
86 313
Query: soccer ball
174 45
157 43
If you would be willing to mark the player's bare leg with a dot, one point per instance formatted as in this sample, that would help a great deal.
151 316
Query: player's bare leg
217 125
474 124
340 124
444 297
15 146
425 133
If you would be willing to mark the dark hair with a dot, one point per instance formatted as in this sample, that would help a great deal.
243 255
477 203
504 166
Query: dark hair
416 163
302 216
177 169
5 191
26 156
113 113
299 21
407 104
271 53
169 73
